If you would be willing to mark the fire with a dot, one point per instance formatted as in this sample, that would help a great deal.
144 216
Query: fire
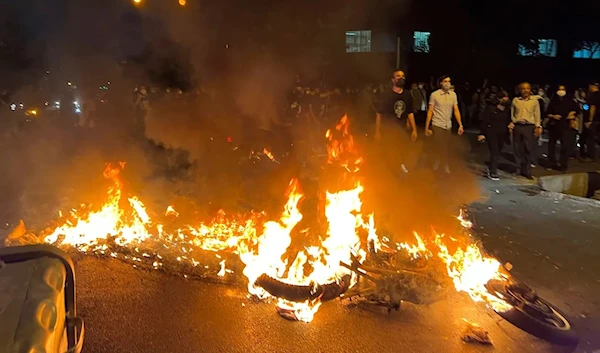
341 148
470 271
287 249
268 153
84 231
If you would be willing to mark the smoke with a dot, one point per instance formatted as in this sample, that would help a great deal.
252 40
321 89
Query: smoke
235 64
423 197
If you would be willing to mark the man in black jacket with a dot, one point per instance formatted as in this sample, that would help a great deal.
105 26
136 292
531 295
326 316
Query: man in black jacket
494 129
561 117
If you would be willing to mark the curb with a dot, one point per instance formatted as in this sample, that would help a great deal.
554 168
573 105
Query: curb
586 185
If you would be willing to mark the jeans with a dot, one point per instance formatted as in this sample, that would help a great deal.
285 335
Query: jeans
495 143
523 141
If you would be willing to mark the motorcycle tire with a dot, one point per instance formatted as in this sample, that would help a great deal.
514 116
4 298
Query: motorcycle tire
559 331
297 293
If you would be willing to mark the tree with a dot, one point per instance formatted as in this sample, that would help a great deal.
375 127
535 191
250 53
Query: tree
587 49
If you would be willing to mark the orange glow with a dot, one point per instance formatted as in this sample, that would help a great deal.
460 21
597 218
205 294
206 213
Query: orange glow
182 2
271 247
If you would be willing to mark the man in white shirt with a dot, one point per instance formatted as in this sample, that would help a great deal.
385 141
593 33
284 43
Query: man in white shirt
442 104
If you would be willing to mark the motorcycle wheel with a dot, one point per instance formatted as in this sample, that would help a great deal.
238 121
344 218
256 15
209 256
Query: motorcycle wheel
534 314
299 293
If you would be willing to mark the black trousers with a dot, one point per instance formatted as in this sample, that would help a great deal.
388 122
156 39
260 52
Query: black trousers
587 144
523 141
566 136
495 142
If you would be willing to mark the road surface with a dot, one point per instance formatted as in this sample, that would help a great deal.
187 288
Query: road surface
551 242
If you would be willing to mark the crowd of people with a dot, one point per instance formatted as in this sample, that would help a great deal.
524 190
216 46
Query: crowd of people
395 113
442 110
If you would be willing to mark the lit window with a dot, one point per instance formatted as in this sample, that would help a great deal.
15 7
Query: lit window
587 50
358 41
539 47
421 43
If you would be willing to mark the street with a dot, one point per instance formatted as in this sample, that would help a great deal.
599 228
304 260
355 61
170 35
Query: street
551 243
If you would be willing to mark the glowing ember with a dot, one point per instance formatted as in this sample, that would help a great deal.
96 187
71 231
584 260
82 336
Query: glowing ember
268 153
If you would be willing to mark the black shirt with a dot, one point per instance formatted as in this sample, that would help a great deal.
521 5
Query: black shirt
561 106
395 107
495 121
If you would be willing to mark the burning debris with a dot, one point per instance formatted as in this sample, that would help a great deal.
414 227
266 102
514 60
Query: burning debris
295 260
473 333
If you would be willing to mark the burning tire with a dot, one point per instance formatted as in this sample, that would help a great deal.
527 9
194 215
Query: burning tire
296 293
533 314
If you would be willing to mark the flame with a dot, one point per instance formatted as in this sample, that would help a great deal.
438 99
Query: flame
284 249
268 153
470 270
171 212
341 148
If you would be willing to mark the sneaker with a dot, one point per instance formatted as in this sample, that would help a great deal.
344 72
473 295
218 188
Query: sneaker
493 177
532 165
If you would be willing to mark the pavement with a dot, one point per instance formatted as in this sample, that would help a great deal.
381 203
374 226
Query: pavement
550 239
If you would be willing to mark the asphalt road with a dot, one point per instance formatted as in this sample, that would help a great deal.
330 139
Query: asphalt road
129 310
552 243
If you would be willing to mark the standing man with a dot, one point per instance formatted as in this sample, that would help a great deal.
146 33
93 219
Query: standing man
395 106
442 104
591 119
525 125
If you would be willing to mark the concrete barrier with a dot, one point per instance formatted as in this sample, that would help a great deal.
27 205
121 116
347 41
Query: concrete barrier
576 184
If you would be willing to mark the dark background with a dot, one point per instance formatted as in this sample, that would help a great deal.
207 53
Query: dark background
170 45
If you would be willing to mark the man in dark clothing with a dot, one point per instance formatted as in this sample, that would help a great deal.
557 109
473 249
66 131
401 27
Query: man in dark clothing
494 129
591 119
561 114
393 108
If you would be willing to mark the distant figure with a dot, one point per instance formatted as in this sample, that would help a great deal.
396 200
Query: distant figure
442 104
142 108
544 98
561 123
525 125
494 129
591 119
87 116
419 97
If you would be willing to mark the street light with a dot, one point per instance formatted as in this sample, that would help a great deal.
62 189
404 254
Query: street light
182 2
137 2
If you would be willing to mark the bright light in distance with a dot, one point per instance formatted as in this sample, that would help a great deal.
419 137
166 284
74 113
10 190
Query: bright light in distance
137 1
182 2
69 83
13 107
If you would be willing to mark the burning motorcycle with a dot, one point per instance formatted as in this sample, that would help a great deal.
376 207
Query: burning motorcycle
386 280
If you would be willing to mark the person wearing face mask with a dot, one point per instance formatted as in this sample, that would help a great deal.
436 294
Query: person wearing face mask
494 129
442 104
544 98
393 109
560 124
